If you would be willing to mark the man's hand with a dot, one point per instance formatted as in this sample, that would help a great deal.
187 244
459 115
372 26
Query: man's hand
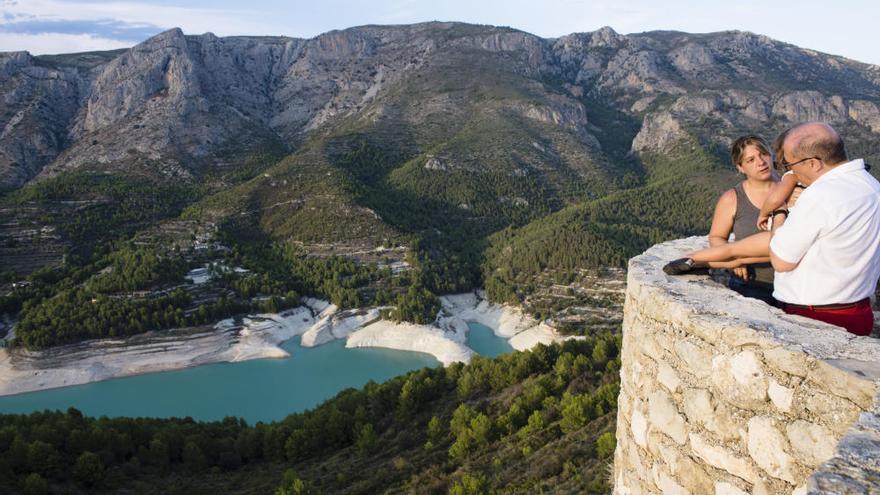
763 222
741 272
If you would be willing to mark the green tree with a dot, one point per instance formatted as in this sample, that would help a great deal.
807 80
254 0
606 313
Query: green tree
367 440
575 411
89 469
435 429
470 485
41 457
35 484
605 444
293 485
193 457
159 454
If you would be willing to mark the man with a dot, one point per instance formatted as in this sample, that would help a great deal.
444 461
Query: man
825 253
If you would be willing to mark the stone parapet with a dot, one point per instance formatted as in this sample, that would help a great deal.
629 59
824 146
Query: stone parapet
725 395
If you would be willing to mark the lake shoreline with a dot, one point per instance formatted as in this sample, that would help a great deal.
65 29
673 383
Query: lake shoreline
260 336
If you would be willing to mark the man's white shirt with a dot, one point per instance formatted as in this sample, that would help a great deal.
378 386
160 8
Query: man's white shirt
833 233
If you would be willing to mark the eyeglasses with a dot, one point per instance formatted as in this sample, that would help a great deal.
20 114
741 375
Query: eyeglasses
788 166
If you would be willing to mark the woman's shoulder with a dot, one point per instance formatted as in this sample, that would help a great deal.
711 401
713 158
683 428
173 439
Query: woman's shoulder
728 198
726 205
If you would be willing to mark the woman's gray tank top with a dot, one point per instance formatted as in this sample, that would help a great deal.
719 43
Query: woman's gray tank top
745 224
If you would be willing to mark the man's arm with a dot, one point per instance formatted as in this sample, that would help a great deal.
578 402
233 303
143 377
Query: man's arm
779 264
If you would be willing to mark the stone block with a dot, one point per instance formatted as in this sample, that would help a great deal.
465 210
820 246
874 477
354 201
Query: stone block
836 413
708 329
650 349
740 379
741 336
780 396
770 486
725 423
666 483
844 383
692 475
668 377
637 464
624 405
639 427
670 456
697 405
761 488
767 447
700 409
722 488
722 458
812 443
789 361
697 360
655 440
665 418
622 484
637 377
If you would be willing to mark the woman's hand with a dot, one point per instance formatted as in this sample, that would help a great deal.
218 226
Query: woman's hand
741 272
763 222
794 196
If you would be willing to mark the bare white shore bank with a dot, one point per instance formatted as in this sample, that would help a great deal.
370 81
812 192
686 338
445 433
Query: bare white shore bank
410 337
259 337
522 331
446 338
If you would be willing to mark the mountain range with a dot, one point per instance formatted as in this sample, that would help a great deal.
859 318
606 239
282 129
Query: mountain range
423 135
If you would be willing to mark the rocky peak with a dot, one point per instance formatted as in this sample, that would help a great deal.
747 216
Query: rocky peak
12 62
157 71
342 45
605 37
173 37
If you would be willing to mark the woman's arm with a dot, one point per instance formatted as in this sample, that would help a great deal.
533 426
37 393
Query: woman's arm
722 226
739 262
722 220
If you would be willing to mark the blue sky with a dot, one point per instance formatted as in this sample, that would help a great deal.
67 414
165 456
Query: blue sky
844 27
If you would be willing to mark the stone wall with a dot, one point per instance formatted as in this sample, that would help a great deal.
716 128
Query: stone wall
725 395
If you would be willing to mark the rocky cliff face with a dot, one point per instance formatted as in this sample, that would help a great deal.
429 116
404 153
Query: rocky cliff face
178 105
38 107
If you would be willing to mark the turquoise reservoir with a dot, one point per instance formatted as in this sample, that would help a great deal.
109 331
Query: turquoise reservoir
484 341
258 390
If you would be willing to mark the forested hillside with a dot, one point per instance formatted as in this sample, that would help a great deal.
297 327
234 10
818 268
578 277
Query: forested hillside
527 422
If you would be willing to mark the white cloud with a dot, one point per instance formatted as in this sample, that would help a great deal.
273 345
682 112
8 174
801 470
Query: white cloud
191 20
51 43
848 30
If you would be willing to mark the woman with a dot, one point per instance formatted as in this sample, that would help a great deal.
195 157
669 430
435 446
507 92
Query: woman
737 213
